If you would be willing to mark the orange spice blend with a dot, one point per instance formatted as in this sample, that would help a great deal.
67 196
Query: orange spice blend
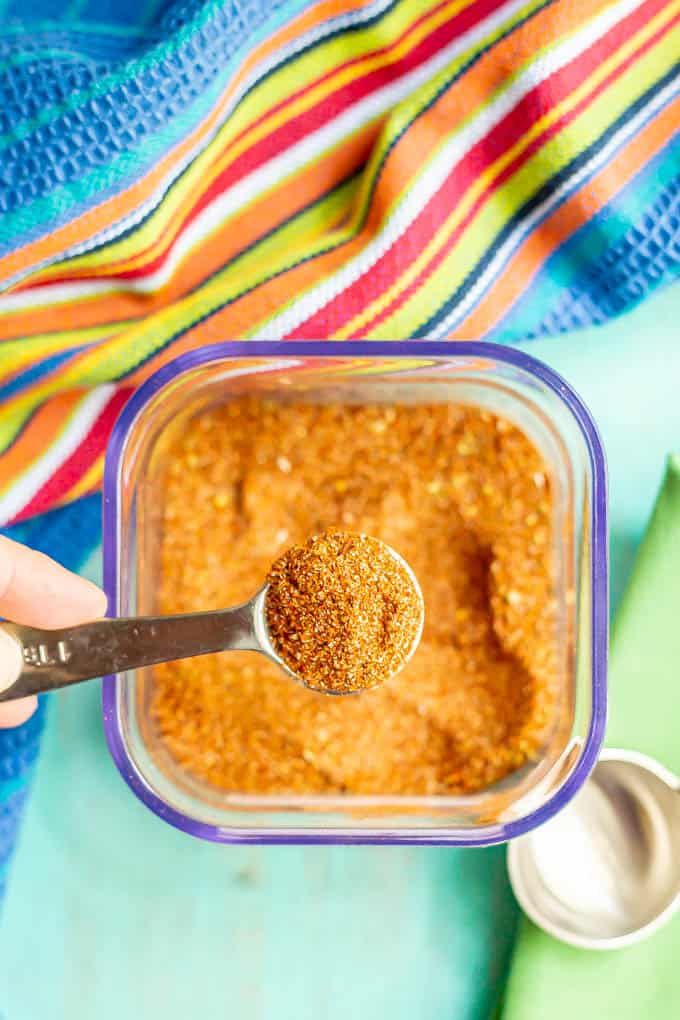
342 612
464 497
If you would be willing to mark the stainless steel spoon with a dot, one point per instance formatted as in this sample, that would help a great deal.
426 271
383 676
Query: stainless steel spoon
36 660
605 872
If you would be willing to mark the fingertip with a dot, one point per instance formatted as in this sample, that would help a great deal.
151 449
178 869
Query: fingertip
93 599
70 599
15 713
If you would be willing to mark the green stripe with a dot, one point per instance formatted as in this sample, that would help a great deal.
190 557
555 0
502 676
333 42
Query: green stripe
400 120
421 101
125 166
545 163
15 420
325 56
75 8
270 257
30 57
39 340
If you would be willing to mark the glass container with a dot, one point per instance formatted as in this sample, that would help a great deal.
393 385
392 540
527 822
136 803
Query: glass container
503 380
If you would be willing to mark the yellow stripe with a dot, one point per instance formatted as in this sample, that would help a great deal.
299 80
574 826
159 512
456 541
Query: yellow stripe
16 355
90 480
125 350
9 429
347 50
557 153
290 79
405 112
481 184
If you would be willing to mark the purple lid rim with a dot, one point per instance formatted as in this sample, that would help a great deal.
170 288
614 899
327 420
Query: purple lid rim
599 587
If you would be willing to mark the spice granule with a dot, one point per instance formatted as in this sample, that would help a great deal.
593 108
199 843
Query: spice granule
465 498
342 612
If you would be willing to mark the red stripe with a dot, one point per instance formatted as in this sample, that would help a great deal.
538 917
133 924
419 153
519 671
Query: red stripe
548 93
331 106
229 175
439 257
82 458
326 110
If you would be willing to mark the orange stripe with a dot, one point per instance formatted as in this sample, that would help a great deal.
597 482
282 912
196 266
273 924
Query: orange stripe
405 159
216 250
112 210
222 159
42 429
163 240
287 198
239 318
453 106
401 168
492 69
566 220
234 321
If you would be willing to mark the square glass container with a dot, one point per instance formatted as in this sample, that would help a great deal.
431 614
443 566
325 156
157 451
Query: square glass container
500 379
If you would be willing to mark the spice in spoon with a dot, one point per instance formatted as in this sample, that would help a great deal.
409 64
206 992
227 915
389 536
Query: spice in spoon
343 612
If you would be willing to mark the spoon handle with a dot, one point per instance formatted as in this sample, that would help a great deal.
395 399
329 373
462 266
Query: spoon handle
49 659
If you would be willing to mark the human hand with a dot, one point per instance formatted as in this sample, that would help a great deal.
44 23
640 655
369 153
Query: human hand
38 592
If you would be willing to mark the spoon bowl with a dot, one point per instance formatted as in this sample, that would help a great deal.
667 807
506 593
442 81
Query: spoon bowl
266 646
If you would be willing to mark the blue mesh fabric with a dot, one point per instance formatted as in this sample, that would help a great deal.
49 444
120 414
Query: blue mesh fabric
646 257
92 117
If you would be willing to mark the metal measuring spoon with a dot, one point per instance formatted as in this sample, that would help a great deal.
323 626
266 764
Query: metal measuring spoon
36 661
605 871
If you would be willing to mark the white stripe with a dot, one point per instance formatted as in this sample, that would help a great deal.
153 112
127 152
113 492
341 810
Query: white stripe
312 146
55 293
305 151
524 227
268 65
439 169
132 219
25 487
28 484
308 149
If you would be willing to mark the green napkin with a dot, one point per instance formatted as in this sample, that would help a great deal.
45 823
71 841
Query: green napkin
551 981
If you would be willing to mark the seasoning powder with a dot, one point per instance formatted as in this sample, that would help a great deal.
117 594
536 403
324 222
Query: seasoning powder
463 496
342 612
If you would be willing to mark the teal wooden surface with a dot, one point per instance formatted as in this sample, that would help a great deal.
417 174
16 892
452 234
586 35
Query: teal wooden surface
112 914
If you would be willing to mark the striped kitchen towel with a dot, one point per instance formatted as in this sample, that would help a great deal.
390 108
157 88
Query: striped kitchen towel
173 174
